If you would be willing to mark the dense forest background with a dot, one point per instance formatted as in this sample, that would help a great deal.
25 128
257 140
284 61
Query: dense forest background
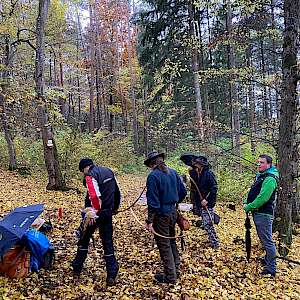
113 80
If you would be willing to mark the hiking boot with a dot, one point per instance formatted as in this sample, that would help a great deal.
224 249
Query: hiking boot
266 273
161 278
77 269
110 281
215 247
77 263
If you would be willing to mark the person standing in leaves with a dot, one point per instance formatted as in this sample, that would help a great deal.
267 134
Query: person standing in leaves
261 202
164 190
103 196
207 185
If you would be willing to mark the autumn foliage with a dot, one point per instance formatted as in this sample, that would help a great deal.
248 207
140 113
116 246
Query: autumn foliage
205 274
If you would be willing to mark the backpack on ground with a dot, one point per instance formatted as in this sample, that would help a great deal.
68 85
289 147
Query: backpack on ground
40 248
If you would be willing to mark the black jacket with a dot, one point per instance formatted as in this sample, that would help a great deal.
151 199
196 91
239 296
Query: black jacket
110 192
207 185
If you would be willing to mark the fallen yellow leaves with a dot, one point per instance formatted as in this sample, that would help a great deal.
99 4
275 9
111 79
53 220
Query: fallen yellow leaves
205 273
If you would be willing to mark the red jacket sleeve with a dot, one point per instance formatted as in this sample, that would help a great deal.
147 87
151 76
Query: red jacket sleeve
94 192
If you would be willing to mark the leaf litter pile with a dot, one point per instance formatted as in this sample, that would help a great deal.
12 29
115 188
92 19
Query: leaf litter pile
205 273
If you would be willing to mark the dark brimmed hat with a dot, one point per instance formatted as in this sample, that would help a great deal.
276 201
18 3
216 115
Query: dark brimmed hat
202 160
191 158
152 155
188 158
85 162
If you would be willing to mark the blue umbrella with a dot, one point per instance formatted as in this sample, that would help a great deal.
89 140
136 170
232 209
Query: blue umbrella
16 223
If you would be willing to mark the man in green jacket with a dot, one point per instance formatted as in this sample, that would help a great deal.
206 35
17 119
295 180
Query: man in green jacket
261 202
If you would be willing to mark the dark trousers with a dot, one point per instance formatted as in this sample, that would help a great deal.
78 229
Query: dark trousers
209 226
165 225
104 223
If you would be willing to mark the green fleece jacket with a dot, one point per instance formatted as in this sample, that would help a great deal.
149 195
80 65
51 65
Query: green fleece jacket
268 187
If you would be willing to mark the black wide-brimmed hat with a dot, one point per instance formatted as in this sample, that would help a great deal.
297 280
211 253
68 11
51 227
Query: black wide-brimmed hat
190 158
202 160
152 155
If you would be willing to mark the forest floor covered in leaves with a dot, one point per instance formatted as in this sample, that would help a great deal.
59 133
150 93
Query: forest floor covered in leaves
206 273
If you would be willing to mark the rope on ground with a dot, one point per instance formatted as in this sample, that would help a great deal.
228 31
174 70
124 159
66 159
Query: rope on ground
154 232
130 206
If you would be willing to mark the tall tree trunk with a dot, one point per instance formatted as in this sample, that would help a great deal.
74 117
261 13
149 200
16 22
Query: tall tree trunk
61 69
235 105
266 108
274 58
251 97
201 59
56 181
146 146
7 134
132 87
120 90
196 68
289 120
209 34
78 72
50 71
56 81
4 82
98 98
99 79
91 77
111 102
62 102
203 86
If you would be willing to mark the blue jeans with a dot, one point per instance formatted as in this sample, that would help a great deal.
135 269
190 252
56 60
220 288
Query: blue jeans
263 224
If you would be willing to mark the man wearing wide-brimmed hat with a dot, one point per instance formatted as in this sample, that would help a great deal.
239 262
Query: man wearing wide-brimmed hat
164 190
202 175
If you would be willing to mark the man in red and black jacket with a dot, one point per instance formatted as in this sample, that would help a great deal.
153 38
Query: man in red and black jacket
103 195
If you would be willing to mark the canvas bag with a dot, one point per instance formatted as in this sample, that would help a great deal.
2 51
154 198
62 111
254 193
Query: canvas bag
182 222
15 262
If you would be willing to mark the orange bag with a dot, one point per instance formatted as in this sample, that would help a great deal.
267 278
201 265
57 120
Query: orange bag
183 222
15 263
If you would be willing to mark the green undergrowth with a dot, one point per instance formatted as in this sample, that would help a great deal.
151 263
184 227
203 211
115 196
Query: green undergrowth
234 175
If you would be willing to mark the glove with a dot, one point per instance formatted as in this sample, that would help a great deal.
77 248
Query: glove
91 216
